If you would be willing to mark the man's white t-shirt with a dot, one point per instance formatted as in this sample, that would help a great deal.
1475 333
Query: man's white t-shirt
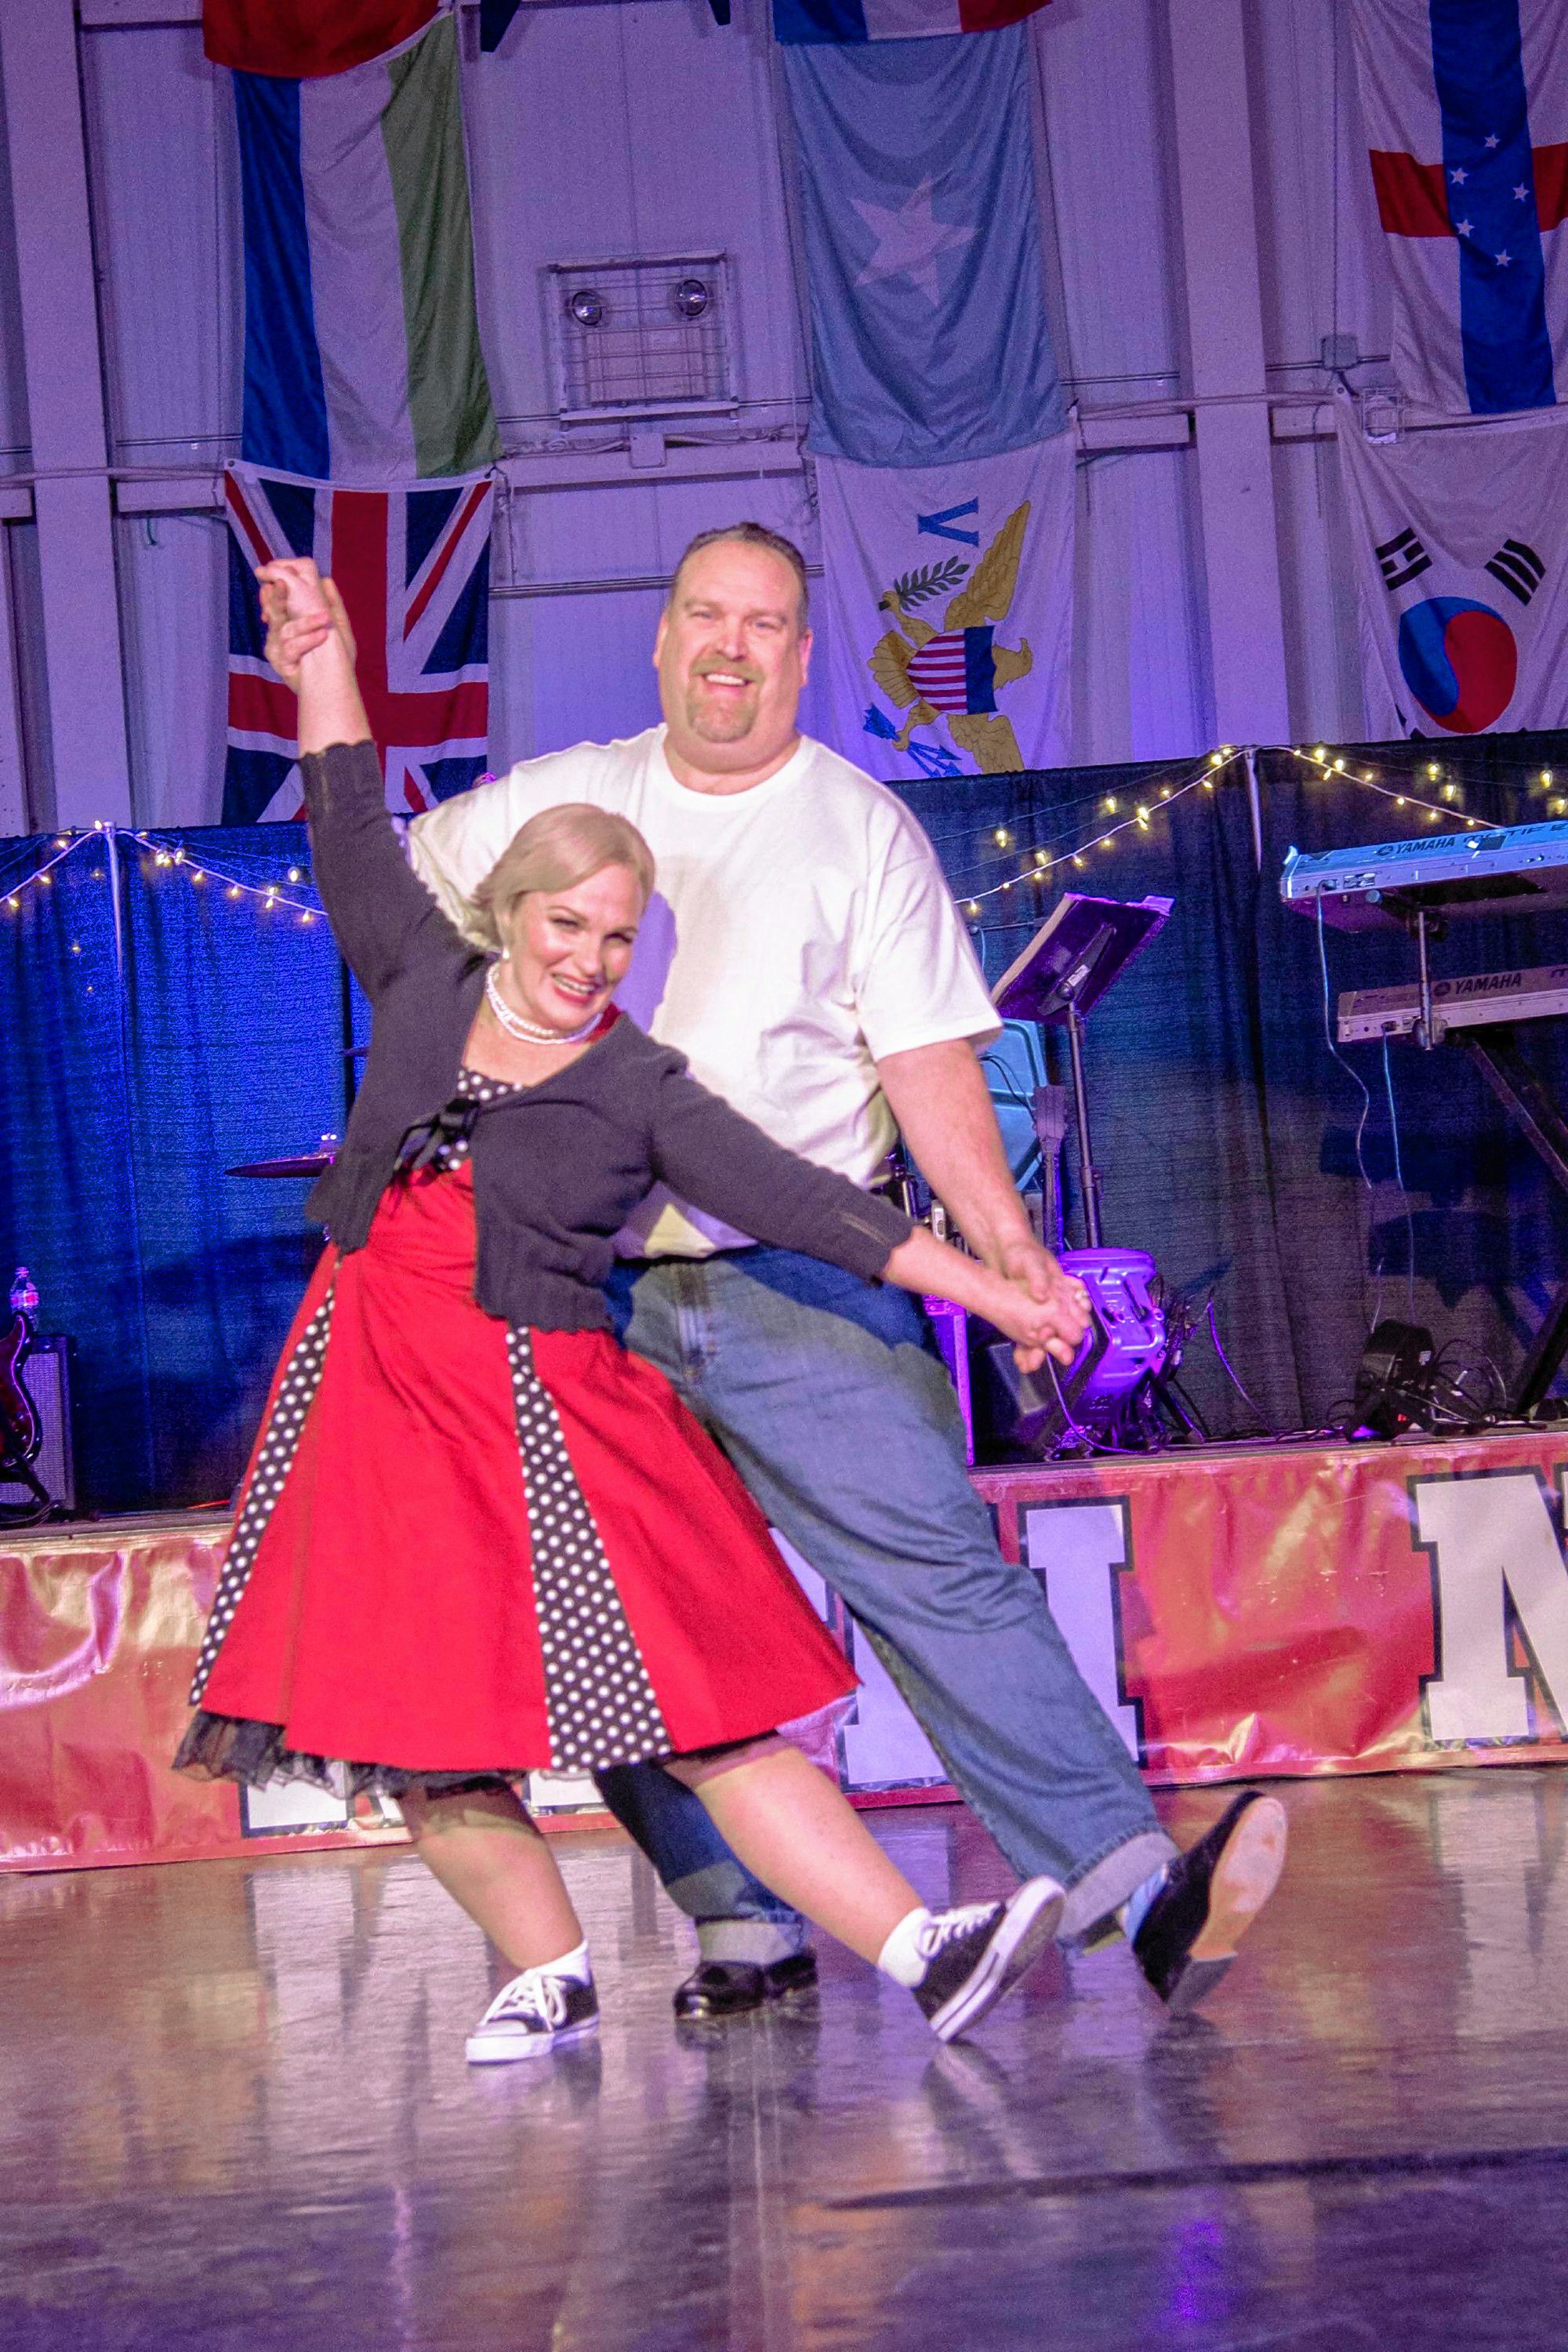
801 931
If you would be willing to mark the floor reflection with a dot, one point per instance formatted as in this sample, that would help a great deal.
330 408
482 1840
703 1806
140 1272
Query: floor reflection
234 2112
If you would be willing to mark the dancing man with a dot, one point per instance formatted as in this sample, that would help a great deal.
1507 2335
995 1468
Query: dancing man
815 972
477 1536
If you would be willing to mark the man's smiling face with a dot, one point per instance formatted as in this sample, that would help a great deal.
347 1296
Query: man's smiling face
732 656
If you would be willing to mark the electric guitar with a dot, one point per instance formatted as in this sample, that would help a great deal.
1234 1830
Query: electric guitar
21 1431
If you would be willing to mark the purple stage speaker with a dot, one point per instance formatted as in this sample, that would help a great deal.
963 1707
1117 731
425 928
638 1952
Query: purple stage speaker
1126 1344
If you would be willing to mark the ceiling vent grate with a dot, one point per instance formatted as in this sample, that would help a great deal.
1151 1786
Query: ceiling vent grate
644 337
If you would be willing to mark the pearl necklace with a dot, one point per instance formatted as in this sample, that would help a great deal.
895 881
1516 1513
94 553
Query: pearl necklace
529 1033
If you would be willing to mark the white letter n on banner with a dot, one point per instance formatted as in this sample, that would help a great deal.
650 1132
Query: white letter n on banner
1076 1551
1491 1540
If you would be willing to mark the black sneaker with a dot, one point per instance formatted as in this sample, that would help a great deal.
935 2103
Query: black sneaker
536 2012
1187 1939
977 1953
737 1987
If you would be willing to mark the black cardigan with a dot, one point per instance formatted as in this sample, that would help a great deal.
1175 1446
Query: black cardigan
559 1168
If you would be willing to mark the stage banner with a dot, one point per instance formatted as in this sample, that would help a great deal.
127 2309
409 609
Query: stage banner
1466 104
1285 1611
922 254
362 344
413 566
1459 539
949 595
1303 1610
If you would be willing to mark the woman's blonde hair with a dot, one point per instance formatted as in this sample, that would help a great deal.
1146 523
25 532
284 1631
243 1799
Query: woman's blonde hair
555 851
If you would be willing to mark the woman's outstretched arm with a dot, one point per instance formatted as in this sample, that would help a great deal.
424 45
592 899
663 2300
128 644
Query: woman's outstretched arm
383 917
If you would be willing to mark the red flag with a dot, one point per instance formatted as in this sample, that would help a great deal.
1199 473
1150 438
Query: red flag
299 37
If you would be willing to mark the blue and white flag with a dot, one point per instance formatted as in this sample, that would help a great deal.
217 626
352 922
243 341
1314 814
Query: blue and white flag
1467 112
948 597
923 251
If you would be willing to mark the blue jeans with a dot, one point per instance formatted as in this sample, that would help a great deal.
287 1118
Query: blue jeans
838 1415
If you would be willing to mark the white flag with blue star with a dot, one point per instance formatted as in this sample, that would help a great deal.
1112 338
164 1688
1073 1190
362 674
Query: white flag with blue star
949 612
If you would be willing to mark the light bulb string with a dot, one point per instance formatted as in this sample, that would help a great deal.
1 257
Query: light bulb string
1339 771
173 854
1038 864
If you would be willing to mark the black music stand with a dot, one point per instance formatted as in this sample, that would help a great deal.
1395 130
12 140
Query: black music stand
1082 947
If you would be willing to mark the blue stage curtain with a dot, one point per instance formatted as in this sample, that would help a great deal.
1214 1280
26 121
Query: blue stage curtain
1224 1129
235 1055
68 1206
133 1079
210 1031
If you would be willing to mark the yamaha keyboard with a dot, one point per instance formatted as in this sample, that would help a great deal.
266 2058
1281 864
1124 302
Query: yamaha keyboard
1516 869
1475 1001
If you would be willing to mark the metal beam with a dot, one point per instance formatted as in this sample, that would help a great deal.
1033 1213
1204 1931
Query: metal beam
1225 332
63 361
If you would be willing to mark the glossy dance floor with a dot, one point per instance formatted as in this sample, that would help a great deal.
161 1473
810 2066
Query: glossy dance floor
234 2111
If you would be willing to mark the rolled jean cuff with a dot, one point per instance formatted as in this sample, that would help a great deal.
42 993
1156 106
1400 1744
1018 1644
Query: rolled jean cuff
759 1941
1105 1887
724 1890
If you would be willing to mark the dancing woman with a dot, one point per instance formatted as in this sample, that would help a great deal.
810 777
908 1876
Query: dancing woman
476 1536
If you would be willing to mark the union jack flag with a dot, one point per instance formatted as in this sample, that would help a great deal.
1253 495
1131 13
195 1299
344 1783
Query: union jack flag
413 567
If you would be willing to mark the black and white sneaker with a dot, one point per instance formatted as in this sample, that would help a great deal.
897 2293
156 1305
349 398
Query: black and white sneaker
977 1953
536 2012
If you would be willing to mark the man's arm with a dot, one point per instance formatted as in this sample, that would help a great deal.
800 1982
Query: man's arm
938 1095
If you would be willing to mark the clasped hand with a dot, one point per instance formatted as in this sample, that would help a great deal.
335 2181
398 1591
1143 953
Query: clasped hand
302 611
1040 1307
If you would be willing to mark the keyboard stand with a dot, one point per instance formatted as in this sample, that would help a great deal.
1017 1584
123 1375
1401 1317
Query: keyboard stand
1496 1054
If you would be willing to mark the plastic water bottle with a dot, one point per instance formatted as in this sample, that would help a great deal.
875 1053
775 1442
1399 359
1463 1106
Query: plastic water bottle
24 1296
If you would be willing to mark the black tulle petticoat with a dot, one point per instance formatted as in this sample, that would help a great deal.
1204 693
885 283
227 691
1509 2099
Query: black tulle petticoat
229 1747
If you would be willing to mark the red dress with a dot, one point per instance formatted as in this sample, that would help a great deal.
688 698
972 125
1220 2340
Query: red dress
465 1547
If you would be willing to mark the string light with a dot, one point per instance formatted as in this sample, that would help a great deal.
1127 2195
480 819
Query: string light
1333 767
1429 809
162 856
1046 862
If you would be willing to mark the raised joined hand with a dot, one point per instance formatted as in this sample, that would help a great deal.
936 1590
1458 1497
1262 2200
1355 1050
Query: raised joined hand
302 611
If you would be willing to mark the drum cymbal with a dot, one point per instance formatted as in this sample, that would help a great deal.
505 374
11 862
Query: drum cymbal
307 1164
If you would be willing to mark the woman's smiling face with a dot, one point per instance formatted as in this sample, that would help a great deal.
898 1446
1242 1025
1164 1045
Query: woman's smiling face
568 950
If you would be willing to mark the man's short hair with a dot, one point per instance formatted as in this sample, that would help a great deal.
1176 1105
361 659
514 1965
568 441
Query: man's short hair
752 535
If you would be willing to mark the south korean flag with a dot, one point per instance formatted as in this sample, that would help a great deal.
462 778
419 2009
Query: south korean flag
1460 535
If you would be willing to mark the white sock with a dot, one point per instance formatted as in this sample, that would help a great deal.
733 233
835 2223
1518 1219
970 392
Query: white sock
576 1964
900 1956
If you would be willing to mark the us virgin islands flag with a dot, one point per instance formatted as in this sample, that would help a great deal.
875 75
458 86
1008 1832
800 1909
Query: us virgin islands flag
362 345
1467 112
413 569
950 615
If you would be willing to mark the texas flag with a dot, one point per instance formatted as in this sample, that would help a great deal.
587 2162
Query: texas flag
1467 112
894 20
